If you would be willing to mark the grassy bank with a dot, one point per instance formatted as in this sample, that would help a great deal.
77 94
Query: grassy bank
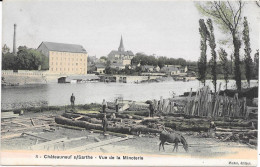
81 108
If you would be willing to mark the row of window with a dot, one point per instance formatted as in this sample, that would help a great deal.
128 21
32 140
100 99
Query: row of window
69 59
67 54
69 64
66 69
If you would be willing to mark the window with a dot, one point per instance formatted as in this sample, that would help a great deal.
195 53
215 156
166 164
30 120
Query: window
60 69
76 64
56 69
68 69
60 63
51 69
56 63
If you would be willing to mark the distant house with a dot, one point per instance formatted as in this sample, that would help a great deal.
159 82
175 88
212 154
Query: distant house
100 68
156 69
121 56
170 70
147 68
118 66
65 58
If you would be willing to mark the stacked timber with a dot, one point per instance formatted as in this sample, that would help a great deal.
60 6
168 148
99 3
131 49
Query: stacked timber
206 104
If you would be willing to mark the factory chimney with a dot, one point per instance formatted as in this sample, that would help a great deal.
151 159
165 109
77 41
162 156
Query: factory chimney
14 41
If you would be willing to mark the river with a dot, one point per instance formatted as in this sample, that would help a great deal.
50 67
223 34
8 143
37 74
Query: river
59 94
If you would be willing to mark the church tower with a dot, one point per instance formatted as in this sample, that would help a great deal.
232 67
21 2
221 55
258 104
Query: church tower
121 46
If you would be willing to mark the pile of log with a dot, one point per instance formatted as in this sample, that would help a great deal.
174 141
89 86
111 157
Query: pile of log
128 126
206 104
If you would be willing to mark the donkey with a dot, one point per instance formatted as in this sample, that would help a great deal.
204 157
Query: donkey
172 138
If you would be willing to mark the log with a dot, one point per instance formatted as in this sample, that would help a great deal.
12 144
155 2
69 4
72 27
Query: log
82 124
119 128
253 141
232 130
97 139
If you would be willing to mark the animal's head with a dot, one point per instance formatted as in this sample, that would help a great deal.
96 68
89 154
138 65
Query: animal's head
185 144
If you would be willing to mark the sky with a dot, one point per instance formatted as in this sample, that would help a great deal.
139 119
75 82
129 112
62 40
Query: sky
163 28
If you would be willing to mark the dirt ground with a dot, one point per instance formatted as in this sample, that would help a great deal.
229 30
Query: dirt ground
11 139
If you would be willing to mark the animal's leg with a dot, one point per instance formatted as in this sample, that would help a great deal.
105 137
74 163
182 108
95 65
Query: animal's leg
163 146
160 145
174 147
177 147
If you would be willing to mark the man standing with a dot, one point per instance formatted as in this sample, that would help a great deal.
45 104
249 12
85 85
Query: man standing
104 105
116 103
151 107
104 123
72 100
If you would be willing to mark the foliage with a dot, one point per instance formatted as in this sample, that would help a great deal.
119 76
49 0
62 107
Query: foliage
202 63
256 63
26 59
227 15
104 57
225 64
144 59
248 59
9 61
213 61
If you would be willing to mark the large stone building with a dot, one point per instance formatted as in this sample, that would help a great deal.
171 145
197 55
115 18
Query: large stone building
120 56
65 58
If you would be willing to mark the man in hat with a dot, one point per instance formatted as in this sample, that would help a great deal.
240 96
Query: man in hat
104 123
72 100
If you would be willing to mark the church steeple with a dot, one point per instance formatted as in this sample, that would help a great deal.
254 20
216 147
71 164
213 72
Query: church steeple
121 46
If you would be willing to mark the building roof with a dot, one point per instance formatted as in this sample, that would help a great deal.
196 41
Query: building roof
115 65
148 66
121 46
62 47
125 53
98 65
169 69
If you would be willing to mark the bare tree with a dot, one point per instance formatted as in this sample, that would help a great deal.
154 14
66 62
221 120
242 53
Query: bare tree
228 17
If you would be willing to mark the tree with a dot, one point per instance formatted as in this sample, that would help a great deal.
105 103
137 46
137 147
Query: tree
256 62
9 61
202 63
104 57
5 49
213 61
224 63
248 59
228 16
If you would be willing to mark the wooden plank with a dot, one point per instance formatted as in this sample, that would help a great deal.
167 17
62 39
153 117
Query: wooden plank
98 144
25 128
10 136
125 107
78 117
51 142
18 123
111 133
34 135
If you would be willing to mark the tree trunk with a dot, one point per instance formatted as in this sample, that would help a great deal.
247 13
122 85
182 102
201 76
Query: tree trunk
237 45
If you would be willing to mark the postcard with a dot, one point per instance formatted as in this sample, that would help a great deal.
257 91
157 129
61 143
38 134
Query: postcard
129 83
